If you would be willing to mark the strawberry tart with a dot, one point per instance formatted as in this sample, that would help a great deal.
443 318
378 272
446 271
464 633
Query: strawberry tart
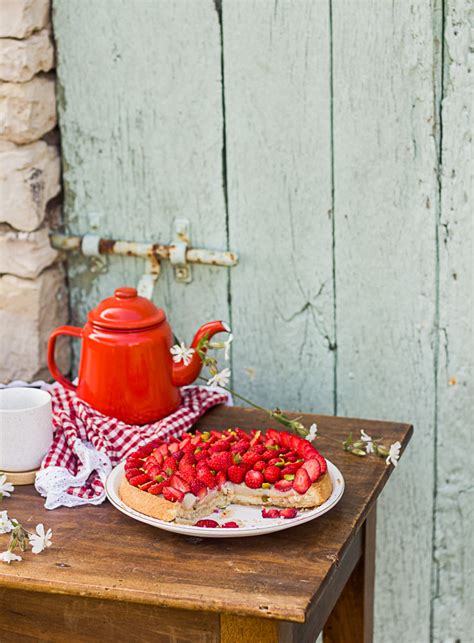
187 479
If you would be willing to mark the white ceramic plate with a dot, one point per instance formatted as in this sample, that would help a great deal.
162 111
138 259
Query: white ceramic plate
250 518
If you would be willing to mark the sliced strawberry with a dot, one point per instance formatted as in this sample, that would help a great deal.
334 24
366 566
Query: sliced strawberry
218 447
291 456
133 473
230 525
242 434
254 479
170 464
270 513
273 435
290 468
207 523
172 494
272 474
187 471
285 439
178 483
132 463
186 442
143 452
302 481
163 449
221 479
290 512
154 471
173 447
240 446
313 468
308 451
158 456
322 463
236 473
284 485
146 486
140 479
156 488
295 442
256 437
198 488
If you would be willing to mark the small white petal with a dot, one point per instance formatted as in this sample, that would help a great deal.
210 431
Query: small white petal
220 379
394 453
6 524
8 556
181 353
6 488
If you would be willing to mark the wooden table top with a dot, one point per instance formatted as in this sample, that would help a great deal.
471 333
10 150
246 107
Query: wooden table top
99 552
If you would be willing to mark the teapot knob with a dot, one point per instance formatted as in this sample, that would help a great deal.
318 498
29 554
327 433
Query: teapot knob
125 292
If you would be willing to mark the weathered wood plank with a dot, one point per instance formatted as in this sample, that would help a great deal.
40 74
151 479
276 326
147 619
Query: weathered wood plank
141 123
454 501
385 164
43 616
276 62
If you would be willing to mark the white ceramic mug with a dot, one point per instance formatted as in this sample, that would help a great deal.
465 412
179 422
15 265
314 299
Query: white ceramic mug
26 428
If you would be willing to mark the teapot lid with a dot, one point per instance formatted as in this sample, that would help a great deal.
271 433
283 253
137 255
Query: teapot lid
126 310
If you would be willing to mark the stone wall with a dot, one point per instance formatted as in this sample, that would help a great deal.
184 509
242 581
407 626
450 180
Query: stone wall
33 297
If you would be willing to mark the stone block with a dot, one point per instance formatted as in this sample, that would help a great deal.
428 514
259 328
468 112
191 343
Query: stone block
29 310
29 178
20 60
27 110
25 254
19 18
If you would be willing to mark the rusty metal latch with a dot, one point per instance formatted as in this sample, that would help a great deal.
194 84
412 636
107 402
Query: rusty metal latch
180 253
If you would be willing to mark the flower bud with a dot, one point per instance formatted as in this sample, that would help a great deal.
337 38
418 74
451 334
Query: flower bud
358 452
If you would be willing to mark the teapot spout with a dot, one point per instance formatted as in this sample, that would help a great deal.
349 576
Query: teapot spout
184 374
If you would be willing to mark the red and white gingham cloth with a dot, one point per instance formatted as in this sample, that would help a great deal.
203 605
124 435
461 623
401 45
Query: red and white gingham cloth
87 444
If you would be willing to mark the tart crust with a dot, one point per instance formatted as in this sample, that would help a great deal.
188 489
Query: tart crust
159 507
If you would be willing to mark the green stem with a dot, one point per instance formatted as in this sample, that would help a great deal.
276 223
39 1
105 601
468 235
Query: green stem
241 397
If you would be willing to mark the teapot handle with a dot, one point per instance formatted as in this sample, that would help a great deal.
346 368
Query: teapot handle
72 331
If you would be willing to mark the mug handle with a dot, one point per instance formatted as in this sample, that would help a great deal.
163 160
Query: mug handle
72 331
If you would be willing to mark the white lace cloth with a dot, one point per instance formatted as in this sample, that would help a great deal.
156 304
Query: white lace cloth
53 482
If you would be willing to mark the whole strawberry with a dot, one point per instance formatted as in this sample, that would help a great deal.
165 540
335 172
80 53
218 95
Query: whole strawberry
236 473
220 461
254 479
272 474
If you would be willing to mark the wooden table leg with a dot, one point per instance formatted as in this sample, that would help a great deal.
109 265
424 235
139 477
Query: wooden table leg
352 618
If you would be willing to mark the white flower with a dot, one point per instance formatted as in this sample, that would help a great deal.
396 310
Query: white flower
313 429
6 525
394 453
181 353
369 445
6 488
8 556
40 540
220 379
227 344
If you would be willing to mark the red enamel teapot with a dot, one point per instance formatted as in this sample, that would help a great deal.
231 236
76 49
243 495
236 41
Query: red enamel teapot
126 369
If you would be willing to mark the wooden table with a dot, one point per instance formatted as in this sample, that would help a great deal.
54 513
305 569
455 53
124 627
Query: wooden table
109 578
